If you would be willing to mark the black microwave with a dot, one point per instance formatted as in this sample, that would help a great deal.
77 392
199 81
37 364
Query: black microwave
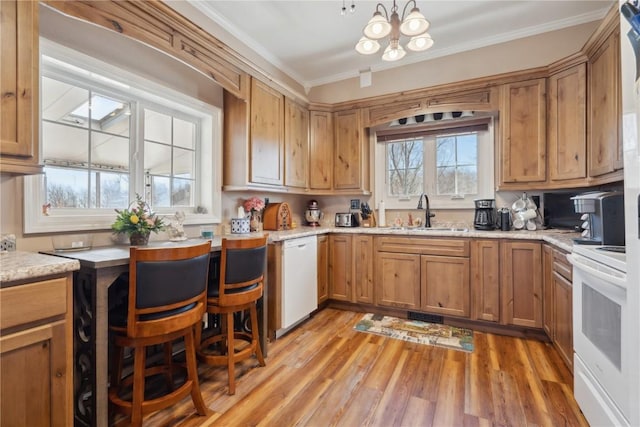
559 211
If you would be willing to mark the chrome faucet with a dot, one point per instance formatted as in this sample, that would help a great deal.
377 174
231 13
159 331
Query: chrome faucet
427 211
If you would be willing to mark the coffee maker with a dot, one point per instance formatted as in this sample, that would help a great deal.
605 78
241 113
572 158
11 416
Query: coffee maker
603 216
485 216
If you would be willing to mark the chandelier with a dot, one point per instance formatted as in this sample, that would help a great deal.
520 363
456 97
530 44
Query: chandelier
413 25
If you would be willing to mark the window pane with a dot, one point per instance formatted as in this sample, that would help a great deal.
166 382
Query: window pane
468 149
106 112
67 188
184 133
157 158
446 151
114 189
181 193
405 167
60 99
467 180
65 143
108 151
446 180
157 127
160 191
183 161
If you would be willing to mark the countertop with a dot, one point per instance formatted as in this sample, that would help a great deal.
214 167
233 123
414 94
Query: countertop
21 266
17 266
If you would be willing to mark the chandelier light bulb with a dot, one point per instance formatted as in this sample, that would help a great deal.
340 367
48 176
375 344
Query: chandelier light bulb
420 43
414 24
367 46
393 54
378 27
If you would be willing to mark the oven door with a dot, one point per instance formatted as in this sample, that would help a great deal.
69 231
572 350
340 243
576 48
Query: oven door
599 329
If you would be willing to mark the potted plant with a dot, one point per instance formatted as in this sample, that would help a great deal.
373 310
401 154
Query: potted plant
137 221
254 205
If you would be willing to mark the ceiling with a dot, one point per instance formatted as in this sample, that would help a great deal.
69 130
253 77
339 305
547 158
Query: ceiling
314 44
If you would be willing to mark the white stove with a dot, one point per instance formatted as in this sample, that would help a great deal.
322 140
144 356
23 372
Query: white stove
611 256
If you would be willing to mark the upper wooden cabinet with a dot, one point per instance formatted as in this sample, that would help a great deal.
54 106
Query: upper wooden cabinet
523 144
320 150
254 139
567 125
350 152
296 144
605 118
19 77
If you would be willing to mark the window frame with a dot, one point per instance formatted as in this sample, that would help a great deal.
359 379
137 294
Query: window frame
486 144
208 162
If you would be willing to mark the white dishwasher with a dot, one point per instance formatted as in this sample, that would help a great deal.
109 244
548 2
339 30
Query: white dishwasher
299 280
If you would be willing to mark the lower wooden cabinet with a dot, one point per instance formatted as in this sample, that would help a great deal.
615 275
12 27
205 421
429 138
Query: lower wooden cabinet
445 285
521 283
548 323
351 268
363 269
36 354
323 268
485 279
398 280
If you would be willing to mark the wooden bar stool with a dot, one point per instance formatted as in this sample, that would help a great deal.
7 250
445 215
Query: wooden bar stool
167 300
242 265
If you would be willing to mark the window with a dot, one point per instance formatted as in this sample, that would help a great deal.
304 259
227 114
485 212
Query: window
452 166
104 140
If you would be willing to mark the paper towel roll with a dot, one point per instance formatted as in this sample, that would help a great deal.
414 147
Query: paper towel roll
240 212
382 220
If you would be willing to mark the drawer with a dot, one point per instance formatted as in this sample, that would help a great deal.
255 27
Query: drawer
424 246
561 265
28 303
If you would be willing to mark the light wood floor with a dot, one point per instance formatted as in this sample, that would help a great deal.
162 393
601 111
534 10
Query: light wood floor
325 373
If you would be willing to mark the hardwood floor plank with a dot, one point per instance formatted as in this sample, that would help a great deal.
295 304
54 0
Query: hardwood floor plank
324 373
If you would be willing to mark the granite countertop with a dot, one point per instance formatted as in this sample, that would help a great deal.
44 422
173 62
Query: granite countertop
18 266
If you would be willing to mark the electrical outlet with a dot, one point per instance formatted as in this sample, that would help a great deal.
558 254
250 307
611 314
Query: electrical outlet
8 242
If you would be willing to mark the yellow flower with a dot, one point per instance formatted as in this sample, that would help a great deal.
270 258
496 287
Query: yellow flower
134 219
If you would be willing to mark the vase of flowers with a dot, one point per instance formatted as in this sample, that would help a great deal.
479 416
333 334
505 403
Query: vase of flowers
254 205
137 221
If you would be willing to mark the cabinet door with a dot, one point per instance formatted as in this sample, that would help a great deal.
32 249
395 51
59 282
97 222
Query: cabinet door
485 279
567 124
321 150
33 376
523 139
19 87
347 166
445 285
296 144
548 323
522 283
563 314
323 268
605 145
266 135
340 267
398 280
363 268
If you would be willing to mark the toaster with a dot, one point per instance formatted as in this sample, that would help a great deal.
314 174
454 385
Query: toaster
346 220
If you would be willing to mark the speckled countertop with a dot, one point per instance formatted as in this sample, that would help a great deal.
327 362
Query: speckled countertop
18 266
21 266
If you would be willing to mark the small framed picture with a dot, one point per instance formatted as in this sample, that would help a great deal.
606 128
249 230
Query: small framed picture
355 204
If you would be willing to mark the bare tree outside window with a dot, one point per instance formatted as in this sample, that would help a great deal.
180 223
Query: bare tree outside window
457 164
405 167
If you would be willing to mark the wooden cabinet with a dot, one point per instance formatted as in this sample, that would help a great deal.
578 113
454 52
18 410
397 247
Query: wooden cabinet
351 268
521 283
19 88
320 150
36 353
485 280
254 139
522 156
558 302
445 285
296 144
567 125
398 280
266 135
350 152
340 267
363 268
605 111
323 268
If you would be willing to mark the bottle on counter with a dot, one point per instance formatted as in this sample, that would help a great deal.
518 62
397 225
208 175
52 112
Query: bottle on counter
382 220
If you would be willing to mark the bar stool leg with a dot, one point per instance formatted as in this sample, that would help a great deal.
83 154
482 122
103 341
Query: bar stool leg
255 334
231 354
139 363
192 372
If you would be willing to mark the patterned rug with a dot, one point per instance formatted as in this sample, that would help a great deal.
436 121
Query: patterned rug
418 332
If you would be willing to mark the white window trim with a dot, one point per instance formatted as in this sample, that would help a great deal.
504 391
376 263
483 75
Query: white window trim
485 179
210 191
